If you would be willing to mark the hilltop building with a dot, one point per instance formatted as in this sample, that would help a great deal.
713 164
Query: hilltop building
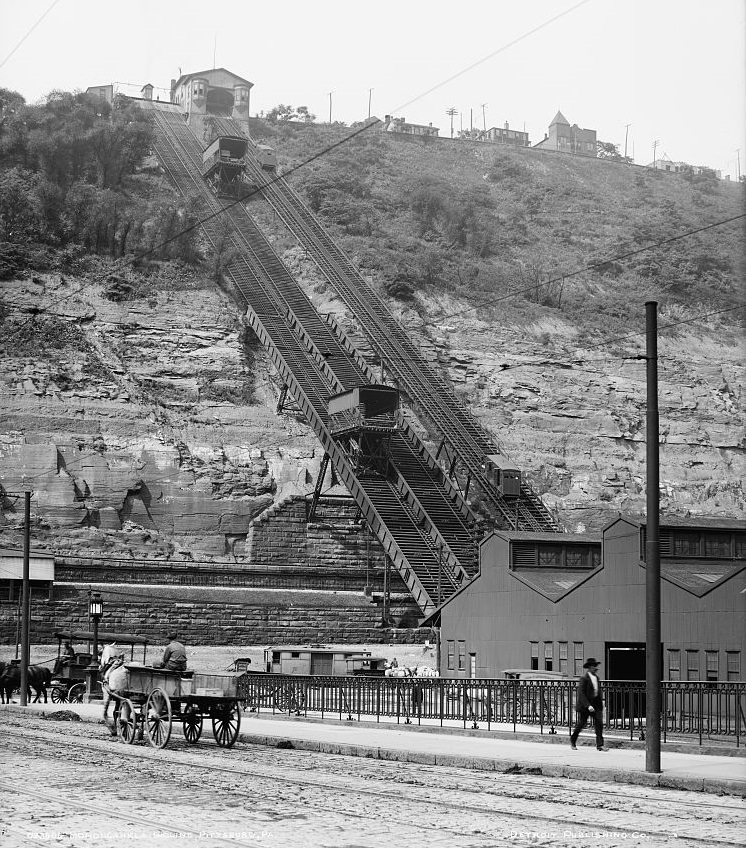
215 92
105 92
546 601
400 125
568 139
666 164
504 135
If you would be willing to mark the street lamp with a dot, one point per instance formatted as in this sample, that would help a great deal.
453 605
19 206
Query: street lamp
95 610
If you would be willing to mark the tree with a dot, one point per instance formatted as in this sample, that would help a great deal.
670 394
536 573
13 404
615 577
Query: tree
289 113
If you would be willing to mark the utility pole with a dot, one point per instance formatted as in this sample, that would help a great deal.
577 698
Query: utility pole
626 133
452 111
370 94
330 106
655 146
26 602
738 164
484 118
471 120
652 551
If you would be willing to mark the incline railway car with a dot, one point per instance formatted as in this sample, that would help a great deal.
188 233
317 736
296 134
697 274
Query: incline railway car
224 166
266 157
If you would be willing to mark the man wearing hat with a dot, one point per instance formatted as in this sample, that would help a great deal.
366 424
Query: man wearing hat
174 657
589 703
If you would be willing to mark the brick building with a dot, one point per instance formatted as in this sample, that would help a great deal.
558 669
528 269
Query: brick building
568 139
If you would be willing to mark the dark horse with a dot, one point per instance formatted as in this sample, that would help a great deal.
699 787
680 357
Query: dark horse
39 677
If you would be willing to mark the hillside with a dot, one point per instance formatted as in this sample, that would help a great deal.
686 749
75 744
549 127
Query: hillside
142 411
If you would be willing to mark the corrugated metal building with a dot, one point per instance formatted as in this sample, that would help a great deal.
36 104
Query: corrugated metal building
546 601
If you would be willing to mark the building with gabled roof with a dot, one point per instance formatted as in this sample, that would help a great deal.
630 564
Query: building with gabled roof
217 92
546 601
568 139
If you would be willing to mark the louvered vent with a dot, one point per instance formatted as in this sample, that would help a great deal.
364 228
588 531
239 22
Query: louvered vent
524 554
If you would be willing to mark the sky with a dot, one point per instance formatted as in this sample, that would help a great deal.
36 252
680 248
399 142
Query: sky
673 70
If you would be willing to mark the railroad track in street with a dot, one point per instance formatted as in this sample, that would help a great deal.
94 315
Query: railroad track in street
446 803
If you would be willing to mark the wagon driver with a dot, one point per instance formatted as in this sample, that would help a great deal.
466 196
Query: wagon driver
174 657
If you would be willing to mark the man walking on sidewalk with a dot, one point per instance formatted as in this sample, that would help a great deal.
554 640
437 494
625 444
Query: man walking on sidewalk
589 703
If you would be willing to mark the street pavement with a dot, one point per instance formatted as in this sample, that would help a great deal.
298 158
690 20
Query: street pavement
687 767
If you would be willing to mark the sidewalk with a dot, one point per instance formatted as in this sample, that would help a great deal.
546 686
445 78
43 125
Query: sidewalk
477 750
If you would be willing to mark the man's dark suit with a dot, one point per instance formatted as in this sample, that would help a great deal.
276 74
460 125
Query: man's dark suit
586 697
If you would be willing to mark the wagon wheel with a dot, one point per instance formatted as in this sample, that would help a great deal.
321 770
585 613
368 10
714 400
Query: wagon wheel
126 722
59 695
283 698
158 718
75 693
192 724
226 721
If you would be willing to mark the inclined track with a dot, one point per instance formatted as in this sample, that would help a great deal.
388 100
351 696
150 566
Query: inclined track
417 514
467 440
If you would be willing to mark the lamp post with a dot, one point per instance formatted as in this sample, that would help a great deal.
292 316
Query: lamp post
95 610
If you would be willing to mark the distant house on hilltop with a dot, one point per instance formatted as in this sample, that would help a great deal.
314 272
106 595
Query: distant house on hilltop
400 125
504 135
568 139
105 92
214 92
666 164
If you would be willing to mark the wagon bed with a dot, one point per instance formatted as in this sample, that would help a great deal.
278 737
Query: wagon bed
154 697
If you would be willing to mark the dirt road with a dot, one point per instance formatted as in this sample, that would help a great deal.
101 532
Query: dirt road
68 785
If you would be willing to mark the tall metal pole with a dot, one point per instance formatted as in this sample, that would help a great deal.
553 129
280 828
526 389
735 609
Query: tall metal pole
626 134
330 106
738 164
652 548
484 118
370 95
26 603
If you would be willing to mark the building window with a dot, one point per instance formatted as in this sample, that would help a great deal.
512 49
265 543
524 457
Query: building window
548 656
451 649
461 656
733 664
577 557
550 556
472 666
686 544
740 546
534 656
711 665
563 657
717 545
577 656
692 665
674 664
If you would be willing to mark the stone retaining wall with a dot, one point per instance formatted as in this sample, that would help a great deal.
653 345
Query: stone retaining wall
216 623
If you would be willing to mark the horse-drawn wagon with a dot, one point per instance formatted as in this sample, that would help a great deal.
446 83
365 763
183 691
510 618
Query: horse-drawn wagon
69 674
154 698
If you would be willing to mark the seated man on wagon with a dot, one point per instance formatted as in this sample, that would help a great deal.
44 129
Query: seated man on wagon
174 657
66 657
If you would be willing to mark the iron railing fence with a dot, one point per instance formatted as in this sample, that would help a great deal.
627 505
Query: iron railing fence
695 708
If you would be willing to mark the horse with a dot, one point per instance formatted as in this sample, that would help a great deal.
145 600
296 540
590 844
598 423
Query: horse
39 677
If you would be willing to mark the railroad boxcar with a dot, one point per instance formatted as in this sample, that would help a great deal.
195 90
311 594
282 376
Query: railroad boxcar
313 659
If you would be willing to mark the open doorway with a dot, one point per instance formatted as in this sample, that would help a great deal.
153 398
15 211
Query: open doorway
625 661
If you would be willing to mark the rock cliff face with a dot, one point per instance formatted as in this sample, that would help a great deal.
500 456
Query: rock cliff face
145 423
